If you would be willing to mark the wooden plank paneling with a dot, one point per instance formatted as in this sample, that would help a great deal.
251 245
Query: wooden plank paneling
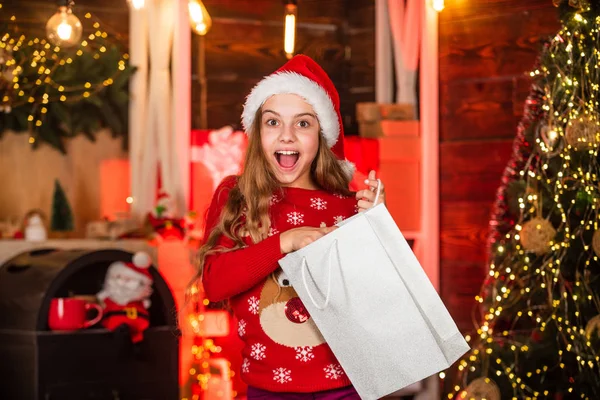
482 109
464 227
239 55
471 171
360 41
495 44
486 49
309 11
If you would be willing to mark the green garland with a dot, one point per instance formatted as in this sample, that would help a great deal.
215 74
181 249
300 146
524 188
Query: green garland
53 93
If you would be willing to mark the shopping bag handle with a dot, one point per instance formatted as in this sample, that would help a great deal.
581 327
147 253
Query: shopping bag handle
305 267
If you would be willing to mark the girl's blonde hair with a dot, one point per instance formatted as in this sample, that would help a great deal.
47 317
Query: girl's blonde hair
246 211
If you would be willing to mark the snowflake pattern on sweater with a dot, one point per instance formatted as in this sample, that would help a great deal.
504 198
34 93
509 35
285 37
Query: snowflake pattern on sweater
241 327
304 353
258 351
295 218
333 371
318 203
282 375
283 351
246 366
253 305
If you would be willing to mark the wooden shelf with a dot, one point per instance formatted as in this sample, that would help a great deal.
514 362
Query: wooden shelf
10 248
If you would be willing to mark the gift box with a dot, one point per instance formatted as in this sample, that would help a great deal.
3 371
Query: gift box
378 120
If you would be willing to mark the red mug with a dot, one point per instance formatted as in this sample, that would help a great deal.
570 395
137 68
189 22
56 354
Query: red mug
70 314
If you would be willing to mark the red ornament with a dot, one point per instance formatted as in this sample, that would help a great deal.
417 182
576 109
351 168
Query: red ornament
295 311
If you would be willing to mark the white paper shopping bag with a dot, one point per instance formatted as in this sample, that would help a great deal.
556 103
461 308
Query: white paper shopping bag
374 304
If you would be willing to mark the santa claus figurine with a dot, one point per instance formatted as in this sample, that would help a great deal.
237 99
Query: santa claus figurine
126 296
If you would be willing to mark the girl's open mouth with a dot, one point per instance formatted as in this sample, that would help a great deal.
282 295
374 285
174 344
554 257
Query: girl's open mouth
287 159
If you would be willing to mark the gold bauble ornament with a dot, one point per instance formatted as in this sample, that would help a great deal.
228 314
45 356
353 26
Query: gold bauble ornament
596 243
552 144
583 133
481 388
592 326
537 234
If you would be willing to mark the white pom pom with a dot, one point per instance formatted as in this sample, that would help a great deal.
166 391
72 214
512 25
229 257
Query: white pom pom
141 260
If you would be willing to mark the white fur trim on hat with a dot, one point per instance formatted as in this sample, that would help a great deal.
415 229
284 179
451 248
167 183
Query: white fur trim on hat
121 267
348 167
294 83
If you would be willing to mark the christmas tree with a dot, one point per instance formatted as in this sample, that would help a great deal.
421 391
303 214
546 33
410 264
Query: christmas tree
54 93
62 217
538 311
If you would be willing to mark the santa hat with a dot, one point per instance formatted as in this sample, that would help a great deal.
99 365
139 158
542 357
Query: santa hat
302 76
162 197
139 266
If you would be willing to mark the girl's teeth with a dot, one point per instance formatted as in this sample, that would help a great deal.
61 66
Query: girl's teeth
287 153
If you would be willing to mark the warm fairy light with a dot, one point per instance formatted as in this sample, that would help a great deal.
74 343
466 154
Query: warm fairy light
539 292
136 4
289 39
33 86
438 5
199 17
64 28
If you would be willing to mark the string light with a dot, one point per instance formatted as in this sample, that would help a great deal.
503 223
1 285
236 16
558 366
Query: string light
531 300
64 28
32 66
438 5
136 4
289 30
199 17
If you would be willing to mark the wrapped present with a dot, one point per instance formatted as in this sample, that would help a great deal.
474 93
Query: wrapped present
377 120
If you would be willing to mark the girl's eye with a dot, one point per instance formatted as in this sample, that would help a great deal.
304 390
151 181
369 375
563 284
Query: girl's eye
272 122
283 280
304 124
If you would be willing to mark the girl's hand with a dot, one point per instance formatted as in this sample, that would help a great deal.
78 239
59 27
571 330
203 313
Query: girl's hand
366 197
297 238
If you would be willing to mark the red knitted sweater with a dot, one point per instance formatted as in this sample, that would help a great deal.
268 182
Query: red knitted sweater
283 349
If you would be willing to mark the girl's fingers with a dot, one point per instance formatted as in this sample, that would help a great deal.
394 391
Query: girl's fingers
373 183
328 229
365 194
364 205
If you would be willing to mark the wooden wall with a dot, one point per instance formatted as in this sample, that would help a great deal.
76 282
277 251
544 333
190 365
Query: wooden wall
246 43
486 48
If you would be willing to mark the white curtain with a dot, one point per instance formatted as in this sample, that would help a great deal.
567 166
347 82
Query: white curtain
398 39
383 54
405 24
138 87
160 136
181 68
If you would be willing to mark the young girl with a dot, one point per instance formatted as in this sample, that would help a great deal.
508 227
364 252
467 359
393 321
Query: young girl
293 189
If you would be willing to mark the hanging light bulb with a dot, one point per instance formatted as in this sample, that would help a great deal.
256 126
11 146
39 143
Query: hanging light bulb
136 4
289 38
438 5
199 17
64 28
